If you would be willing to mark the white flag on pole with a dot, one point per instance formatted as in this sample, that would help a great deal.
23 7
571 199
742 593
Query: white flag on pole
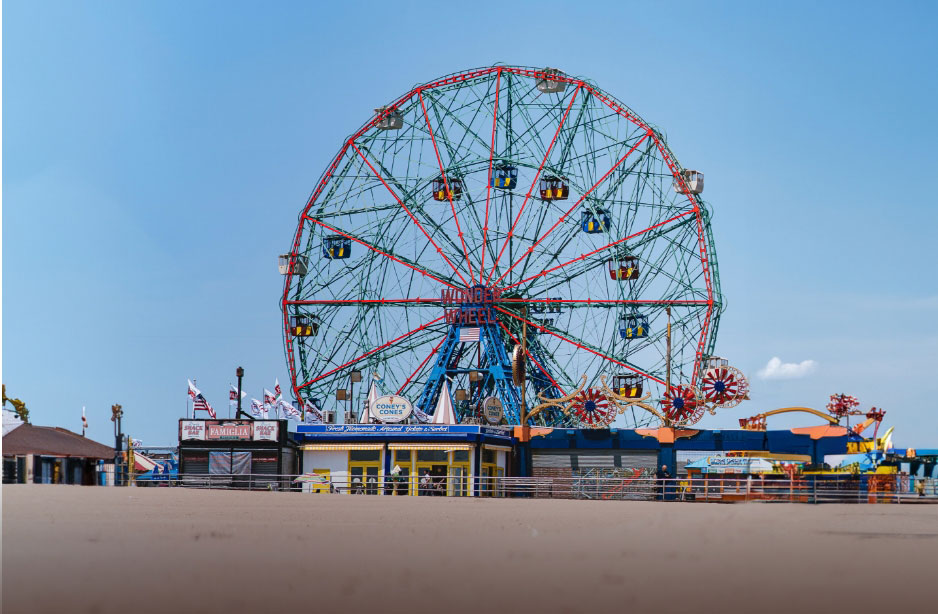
313 415
289 411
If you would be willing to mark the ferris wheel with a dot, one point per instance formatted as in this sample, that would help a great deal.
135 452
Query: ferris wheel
491 205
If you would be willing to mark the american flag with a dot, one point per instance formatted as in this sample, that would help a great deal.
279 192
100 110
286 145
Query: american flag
200 404
469 334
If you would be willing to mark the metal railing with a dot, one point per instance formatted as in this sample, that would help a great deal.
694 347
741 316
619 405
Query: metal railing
877 488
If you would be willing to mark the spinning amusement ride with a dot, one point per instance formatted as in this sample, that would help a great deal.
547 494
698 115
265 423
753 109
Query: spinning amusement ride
510 212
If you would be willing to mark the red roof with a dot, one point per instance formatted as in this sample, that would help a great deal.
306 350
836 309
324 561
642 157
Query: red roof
52 441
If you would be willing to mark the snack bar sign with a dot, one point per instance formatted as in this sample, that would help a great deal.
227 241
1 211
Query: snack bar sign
266 431
192 430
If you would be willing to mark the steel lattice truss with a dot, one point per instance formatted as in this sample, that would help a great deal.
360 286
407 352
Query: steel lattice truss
379 310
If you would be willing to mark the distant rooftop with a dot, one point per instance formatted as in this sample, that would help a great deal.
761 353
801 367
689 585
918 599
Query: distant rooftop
51 441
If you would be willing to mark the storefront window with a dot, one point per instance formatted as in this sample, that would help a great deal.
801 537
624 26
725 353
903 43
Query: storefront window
364 455
432 456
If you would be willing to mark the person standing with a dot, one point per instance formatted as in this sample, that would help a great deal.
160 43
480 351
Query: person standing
662 476
423 487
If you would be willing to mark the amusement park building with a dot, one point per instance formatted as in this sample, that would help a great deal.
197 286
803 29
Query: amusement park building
348 451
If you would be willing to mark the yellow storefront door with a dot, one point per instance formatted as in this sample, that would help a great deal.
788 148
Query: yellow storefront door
432 468
459 470
364 469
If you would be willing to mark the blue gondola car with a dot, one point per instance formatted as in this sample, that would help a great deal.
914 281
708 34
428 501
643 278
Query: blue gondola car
595 221
504 177
336 247
633 326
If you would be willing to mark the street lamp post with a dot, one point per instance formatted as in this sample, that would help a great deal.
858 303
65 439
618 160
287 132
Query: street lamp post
240 373
354 376
116 414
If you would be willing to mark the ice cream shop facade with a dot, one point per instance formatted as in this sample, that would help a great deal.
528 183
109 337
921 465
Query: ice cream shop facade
392 458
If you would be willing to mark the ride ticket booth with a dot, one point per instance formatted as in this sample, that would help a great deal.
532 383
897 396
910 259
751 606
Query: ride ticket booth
391 459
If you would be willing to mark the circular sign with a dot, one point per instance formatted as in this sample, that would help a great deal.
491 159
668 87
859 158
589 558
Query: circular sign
492 410
390 408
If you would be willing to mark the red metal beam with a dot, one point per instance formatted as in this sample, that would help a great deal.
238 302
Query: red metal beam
533 184
383 253
370 352
412 216
449 192
563 217
488 192
366 301
581 346
425 361
528 352
587 255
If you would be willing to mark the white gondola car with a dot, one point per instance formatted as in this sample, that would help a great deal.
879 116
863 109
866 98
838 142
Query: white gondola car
716 362
694 181
300 265
548 86
392 121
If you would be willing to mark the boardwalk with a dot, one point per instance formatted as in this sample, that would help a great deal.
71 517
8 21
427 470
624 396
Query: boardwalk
90 549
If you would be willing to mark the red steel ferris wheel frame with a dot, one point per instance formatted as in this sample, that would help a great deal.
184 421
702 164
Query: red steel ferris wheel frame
470 75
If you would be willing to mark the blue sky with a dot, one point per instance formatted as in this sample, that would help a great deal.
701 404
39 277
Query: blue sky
156 156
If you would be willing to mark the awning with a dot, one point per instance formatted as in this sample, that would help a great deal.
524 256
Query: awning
430 446
489 446
342 446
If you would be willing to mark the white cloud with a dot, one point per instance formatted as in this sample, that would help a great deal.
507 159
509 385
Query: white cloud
776 369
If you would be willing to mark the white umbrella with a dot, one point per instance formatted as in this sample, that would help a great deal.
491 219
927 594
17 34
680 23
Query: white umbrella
366 414
444 412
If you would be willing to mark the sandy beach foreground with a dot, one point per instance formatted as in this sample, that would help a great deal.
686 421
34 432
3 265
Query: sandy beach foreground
87 549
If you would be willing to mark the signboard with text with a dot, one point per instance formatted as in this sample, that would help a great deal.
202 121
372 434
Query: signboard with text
229 430
402 429
267 430
238 431
391 408
492 410
192 430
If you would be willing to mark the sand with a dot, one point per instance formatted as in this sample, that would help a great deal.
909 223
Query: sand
91 549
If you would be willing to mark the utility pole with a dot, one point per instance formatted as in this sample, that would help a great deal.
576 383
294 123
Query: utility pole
524 359
668 384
